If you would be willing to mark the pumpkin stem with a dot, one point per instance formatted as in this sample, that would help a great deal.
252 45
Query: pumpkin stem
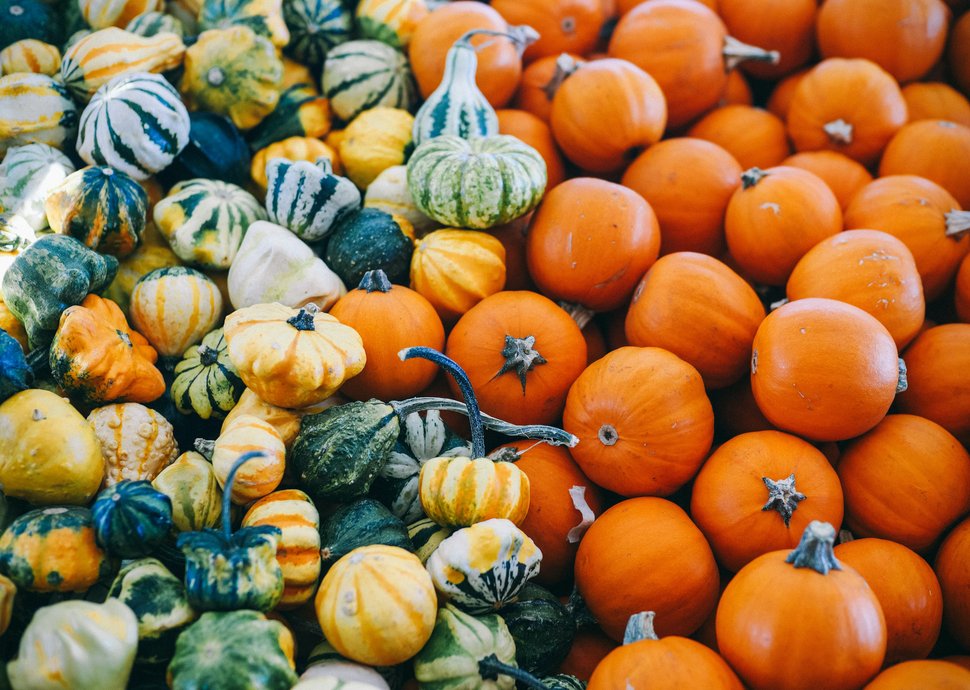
845 536
490 668
467 392
227 489
735 52
640 627
607 435
208 355
576 605
578 496
522 37
778 303
565 66
375 281
815 549
521 356
839 131
205 448
902 383
957 223
578 313
303 321
325 164
751 177
783 497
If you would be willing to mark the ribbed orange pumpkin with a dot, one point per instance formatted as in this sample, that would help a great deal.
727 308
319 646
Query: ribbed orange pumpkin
536 133
962 291
935 149
936 101
934 674
787 26
951 569
843 175
779 101
754 136
564 25
540 81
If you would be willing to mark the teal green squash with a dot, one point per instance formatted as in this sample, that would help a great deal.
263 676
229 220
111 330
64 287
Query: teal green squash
542 627
426 536
360 75
316 27
102 207
368 239
15 374
361 523
216 151
206 382
477 183
160 604
151 23
564 681
52 274
131 518
204 221
262 16
300 112
35 109
308 198
20 19
27 175
238 650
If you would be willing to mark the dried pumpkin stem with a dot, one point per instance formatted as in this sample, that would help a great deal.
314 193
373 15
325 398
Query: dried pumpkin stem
957 223
520 356
522 36
208 355
490 668
566 65
783 497
839 131
815 549
227 489
303 321
205 447
578 313
751 177
375 281
902 383
735 52
640 627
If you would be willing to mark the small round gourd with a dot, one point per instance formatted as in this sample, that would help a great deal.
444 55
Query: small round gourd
364 522
206 382
28 174
389 192
360 75
131 519
174 308
216 151
137 442
257 479
35 109
295 148
265 18
459 491
306 198
193 488
316 28
376 139
100 14
368 240
30 55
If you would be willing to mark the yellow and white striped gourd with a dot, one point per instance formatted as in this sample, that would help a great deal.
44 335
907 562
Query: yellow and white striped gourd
389 193
390 21
28 174
458 492
30 55
137 442
191 484
35 108
100 14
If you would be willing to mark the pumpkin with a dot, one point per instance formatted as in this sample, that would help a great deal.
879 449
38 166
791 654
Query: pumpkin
233 72
77 644
364 522
28 174
246 434
589 137
300 112
570 266
949 166
259 652
30 55
265 17
363 75
537 134
804 593
377 605
645 553
843 175
193 488
506 179
459 491
137 443
174 308
639 440
48 454
308 199
590 646
645 658
543 630
785 27
294 149
205 380
936 673
204 221
758 492
389 192
688 183
216 151
35 108
366 240
456 269
754 136
540 81
851 106
912 35
956 53
949 566
152 23
315 355
17 374
961 295
131 518
390 21
53 550
936 101
565 26
316 27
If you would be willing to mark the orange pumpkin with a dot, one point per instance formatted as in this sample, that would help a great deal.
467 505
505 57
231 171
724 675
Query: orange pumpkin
780 98
605 111
754 136
759 491
904 37
688 183
962 291
843 175
521 352
951 569
590 646
907 589
958 53
736 411
868 269
595 342
775 217
848 105
536 134
644 554
932 674
540 81
564 26
635 439
960 660
934 149
823 369
513 236
710 326
787 26
936 101
737 90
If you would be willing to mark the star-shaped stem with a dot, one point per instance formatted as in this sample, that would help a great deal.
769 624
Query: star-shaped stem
782 496
520 356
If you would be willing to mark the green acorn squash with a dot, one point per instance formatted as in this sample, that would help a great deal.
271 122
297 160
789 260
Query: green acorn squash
28 174
206 382
361 523
21 19
360 75
216 151
265 17
316 27
542 627
153 23
308 198
15 374
426 536
131 518
35 109
300 112
366 240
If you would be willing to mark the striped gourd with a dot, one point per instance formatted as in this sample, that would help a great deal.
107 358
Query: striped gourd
100 14
360 75
390 21
260 476
308 198
426 535
137 442
265 17
34 108
457 492
294 149
389 192
102 207
300 112
154 23
298 547
324 663
482 567
145 259
204 220
316 27
103 55
476 183
206 382
30 55
174 308
131 518
27 175
191 484
136 123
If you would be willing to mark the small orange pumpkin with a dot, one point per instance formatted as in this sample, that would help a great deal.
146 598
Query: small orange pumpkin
780 98
786 26
536 133
541 80
754 136
931 674
936 101
563 25
843 175
951 569
934 149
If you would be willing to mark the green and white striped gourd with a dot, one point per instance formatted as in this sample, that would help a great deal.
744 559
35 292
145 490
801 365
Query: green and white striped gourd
154 23
389 193
316 27
136 123
360 75
27 175
206 382
205 221
476 183
300 112
35 108
426 536
265 17
307 197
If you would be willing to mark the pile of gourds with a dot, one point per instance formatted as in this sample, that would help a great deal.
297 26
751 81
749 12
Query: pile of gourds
449 345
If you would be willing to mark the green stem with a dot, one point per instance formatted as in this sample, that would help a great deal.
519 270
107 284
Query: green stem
751 177
303 321
227 489
815 549
490 668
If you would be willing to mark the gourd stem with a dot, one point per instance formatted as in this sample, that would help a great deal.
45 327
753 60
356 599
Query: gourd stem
582 616
640 627
957 223
522 36
303 321
375 281
520 356
815 549
578 313
735 52
751 177
839 131
783 497
467 392
778 304
566 65
491 668
205 448
208 355
227 489
541 432
902 383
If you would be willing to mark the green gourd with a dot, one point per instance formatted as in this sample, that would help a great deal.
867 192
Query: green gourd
426 535
542 627
260 16
316 27
300 112
361 523
27 175
308 198
206 382
152 23
366 240
360 75
131 518
15 374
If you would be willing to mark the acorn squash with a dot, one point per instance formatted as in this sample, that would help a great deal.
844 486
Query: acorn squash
316 27
364 522
542 627
367 239
360 75
28 174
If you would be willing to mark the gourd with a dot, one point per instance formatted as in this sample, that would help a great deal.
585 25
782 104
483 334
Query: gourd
131 518
15 236
77 644
15 373
135 123
247 435
543 629
367 240
216 151
204 221
8 592
137 443
294 149
500 179
28 19
483 567
8 322
206 382
361 75
375 140
426 535
308 199
953 577
35 109
193 488
327 664
564 681
153 23
316 28
390 21
300 112
28 174
362 523
100 14
286 422
389 192
265 17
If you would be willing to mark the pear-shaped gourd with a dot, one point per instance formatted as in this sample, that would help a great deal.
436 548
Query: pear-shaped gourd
307 197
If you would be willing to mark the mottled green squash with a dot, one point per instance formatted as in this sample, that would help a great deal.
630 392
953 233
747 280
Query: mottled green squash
15 374
366 240
131 518
300 112
316 26
216 151
542 627
361 523
426 536
21 19
206 382
360 75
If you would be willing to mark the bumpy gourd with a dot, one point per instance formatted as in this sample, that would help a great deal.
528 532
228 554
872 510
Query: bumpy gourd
28 174
137 442
308 199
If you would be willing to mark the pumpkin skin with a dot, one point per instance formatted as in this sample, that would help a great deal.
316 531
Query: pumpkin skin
572 266
949 166
539 83
936 101
564 26
590 646
908 592
754 136
950 568
786 27
646 554
131 519
616 423
193 488
688 183
206 382
711 327
137 442
843 175
459 491
935 673
255 479
377 605
521 352
837 610
537 134
961 297
742 515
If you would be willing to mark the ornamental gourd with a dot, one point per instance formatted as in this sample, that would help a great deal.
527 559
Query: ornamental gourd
360 75
374 141
265 17
306 198
390 21
137 443
286 422
28 174
131 519
206 382
153 23
296 148
30 55
216 151
145 259
543 628
316 27
100 14
193 488
246 434
368 240
389 192
15 373
362 523
300 112
35 109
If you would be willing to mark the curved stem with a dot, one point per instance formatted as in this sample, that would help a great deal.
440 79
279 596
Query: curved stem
957 223
522 36
207 355
735 52
491 668
640 627
565 66
227 489
815 549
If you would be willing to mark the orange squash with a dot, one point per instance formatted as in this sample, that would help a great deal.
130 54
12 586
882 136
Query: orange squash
736 411
958 53
962 291
937 150
512 235
536 134
540 81
590 646
951 569
780 98
931 674
564 26
258 477
787 26
737 91
754 136
843 175
936 101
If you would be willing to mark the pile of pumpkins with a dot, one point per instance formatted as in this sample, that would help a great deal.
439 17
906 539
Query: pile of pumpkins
691 275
